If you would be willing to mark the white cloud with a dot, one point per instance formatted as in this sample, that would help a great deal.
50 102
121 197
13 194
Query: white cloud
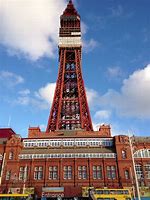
114 72
32 101
24 92
10 79
30 27
96 126
101 117
84 27
134 97
43 127
47 92
89 45
23 100
41 99
102 114
24 97
92 97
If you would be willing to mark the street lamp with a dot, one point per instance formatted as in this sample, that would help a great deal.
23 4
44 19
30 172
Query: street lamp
133 162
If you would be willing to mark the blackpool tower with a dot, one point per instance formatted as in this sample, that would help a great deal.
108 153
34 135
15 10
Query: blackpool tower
70 109
69 158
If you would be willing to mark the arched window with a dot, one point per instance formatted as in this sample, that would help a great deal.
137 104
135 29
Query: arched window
124 154
11 155
126 174
142 153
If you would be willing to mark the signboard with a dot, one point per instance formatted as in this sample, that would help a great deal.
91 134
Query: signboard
53 191
145 191
29 190
14 190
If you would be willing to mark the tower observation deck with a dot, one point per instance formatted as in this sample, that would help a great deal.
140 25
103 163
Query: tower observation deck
70 109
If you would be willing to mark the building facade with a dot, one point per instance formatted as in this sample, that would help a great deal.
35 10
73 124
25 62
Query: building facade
69 155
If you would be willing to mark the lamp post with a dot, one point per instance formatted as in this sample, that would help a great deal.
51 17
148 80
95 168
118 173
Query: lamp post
133 162
132 183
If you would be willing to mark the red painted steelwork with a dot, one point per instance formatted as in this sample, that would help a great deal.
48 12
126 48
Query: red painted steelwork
70 109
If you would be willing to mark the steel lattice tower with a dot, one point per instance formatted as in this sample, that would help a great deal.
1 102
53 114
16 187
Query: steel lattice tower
69 108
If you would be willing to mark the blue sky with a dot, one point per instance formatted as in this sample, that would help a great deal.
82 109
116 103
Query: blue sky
115 62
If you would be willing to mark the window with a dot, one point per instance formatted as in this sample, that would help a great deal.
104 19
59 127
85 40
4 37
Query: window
106 143
67 172
97 172
23 172
111 172
142 153
1 157
139 171
82 172
124 155
126 174
147 171
11 155
8 175
38 173
53 172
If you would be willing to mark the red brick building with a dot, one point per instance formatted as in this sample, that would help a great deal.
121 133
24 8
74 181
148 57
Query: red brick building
69 155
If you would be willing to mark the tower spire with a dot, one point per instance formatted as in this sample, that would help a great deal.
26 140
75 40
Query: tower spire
70 9
70 108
